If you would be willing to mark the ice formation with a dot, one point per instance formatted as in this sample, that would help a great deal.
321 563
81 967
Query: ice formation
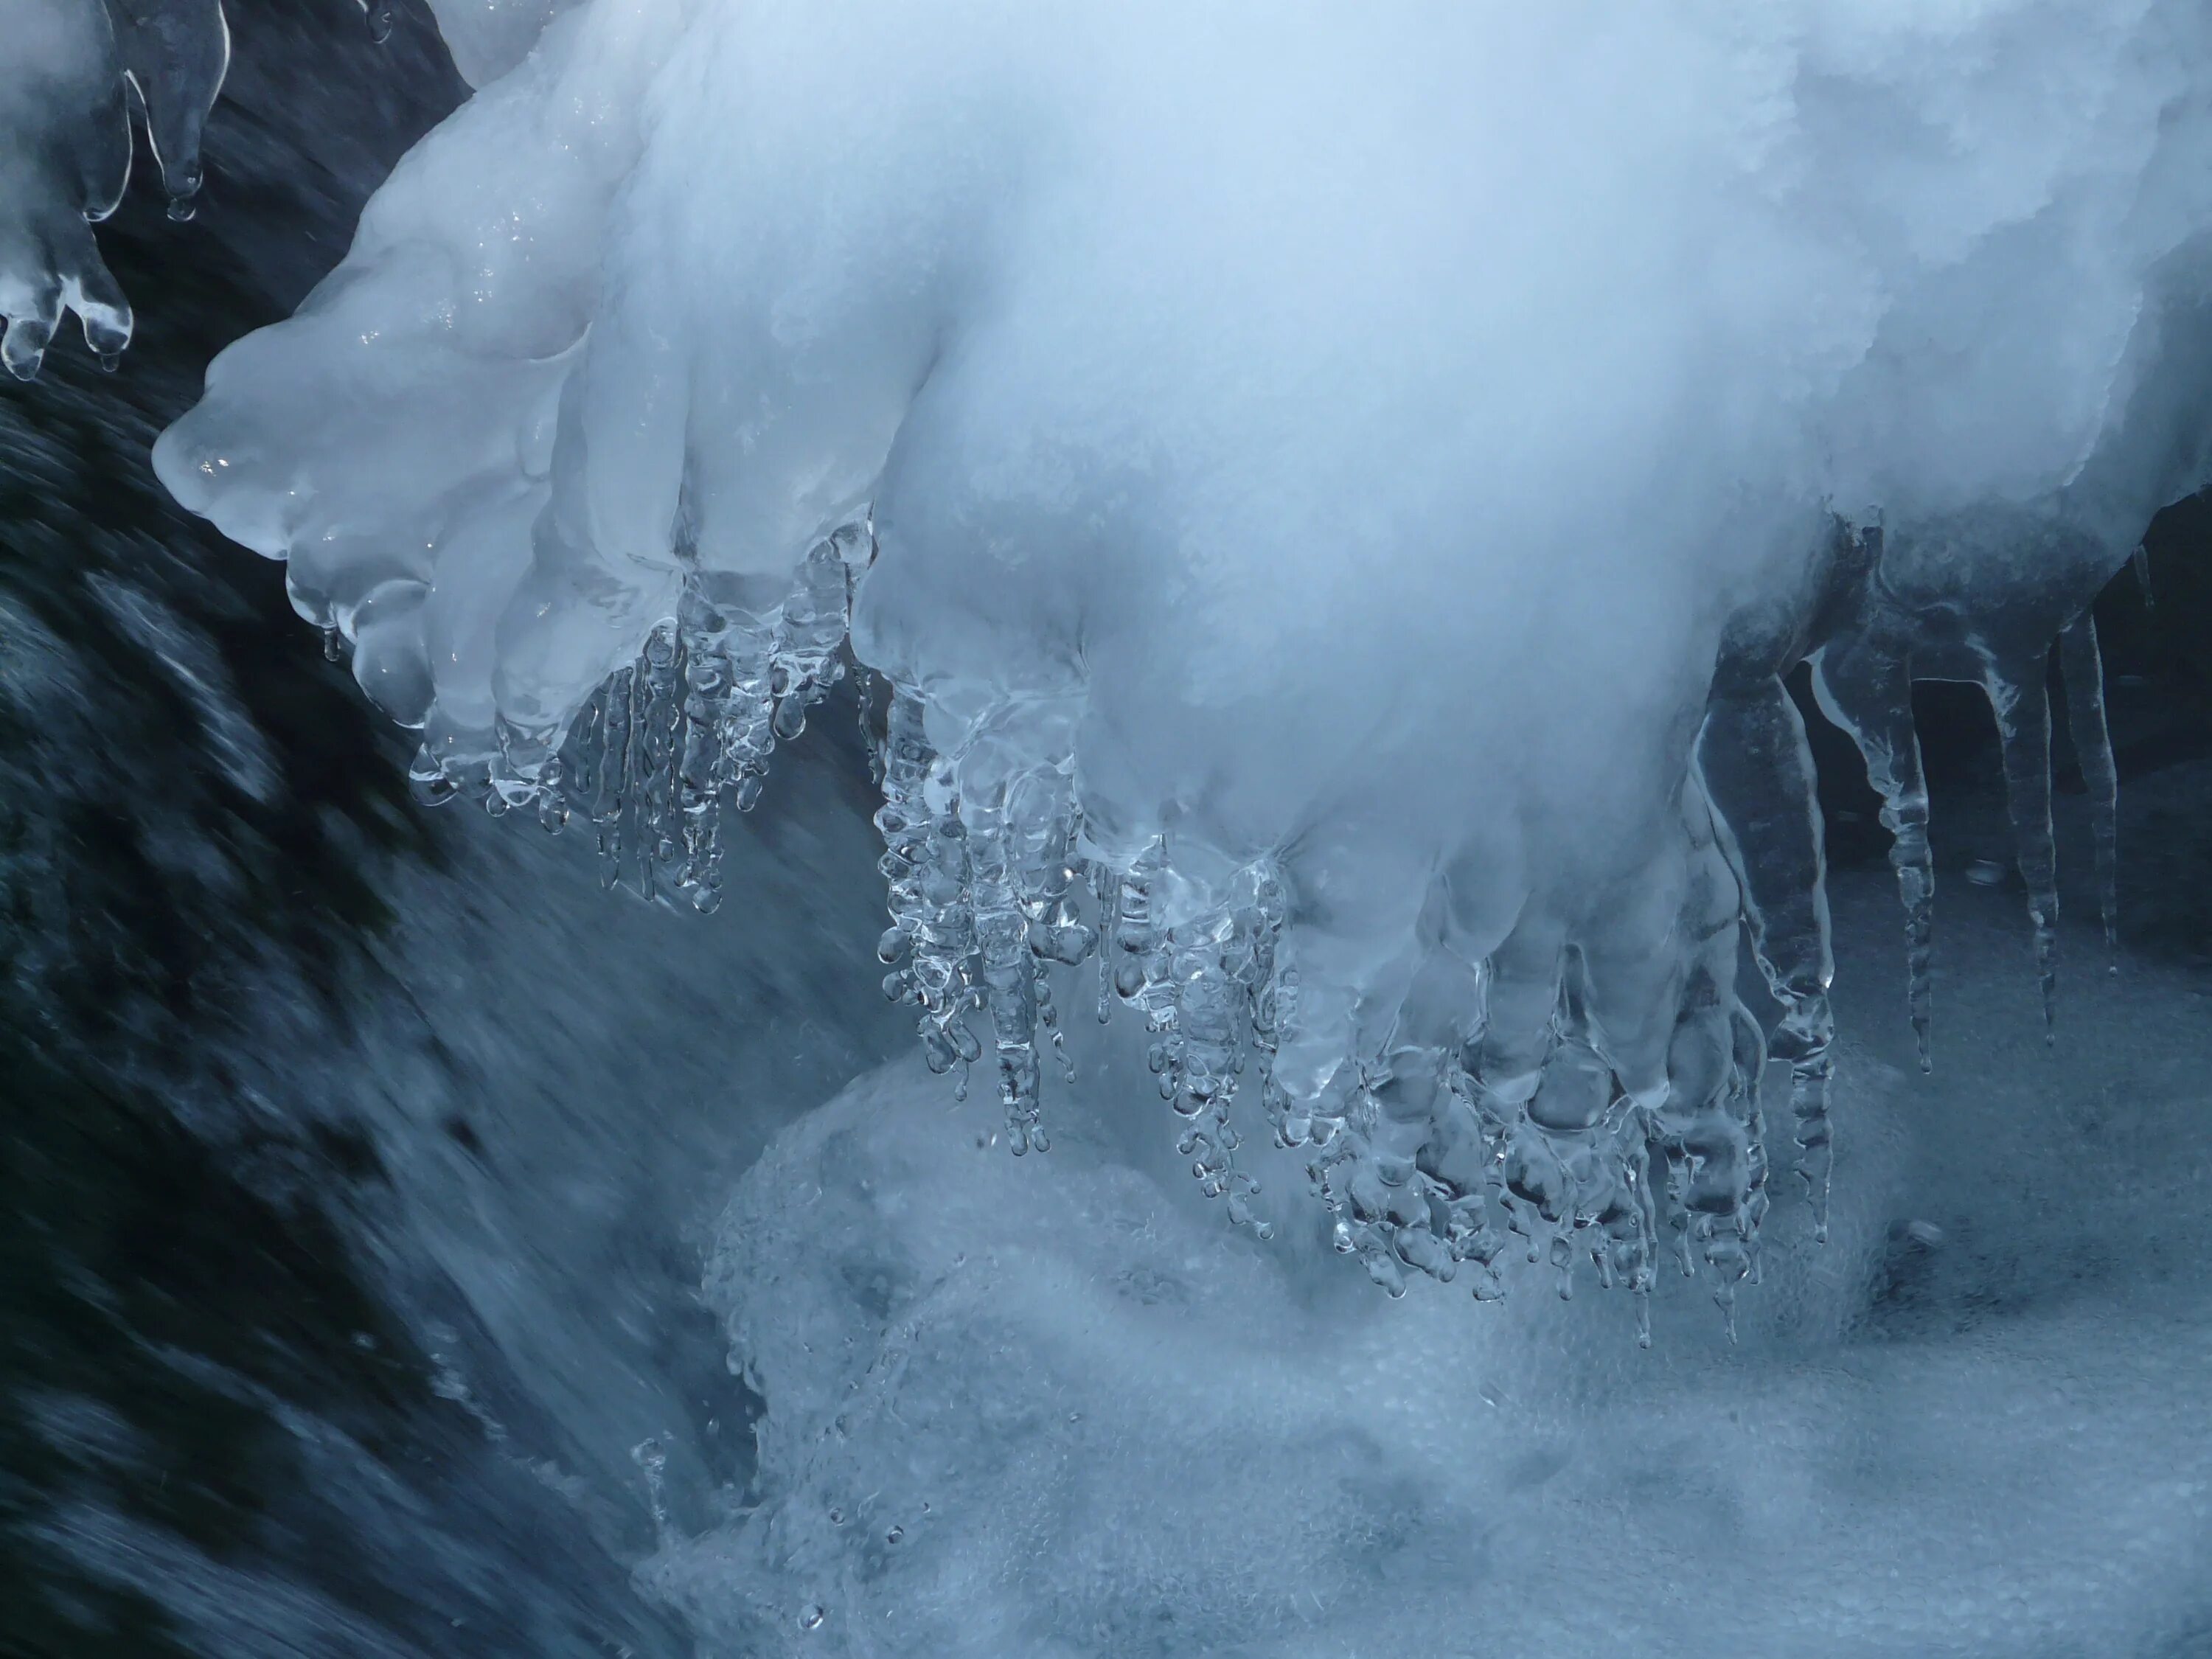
80 70
64 158
1014 1409
1330 509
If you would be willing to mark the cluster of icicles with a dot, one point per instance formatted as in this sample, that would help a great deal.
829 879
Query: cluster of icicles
666 745
1512 1104
85 68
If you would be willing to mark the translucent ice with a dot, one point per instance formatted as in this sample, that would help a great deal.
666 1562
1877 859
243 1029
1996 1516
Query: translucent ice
487 37
176 53
1013 1409
75 73
64 159
1335 507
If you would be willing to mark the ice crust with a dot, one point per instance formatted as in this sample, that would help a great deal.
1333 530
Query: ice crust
1326 507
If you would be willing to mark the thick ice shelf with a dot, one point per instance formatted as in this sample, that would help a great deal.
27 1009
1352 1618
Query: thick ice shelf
1321 520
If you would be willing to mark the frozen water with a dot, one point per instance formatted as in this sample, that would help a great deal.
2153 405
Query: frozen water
490 37
77 73
64 157
1014 1408
1334 508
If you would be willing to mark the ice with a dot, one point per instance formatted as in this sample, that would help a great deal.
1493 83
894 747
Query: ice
64 158
2083 665
176 53
76 73
487 37
1050 1408
1334 509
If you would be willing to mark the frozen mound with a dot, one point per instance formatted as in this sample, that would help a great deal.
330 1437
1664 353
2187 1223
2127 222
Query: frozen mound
1322 516
1044 1409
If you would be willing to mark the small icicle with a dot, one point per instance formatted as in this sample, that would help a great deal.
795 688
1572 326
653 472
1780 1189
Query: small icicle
864 698
1106 888
552 800
608 800
431 784
2022 706
2140 561
1049 1017
1007 968
1810 1081
655 757
2083 666
652 1459
1865 686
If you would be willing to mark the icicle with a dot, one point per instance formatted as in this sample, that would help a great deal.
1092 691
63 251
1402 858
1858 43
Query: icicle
1716 1169
708 694
815 620
1106 888
944 941
904 821
656 756
1864 684
863 695
1040 822
663 747
927 862
2022 704
610 774
1461 1162
1203 1026
2140 561
746 734
428 778
2083 667
1008 970
176 53
1758 770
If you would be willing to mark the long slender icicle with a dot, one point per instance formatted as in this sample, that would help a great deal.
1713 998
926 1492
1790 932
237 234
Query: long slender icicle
2022 704
2083 666
1865 685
